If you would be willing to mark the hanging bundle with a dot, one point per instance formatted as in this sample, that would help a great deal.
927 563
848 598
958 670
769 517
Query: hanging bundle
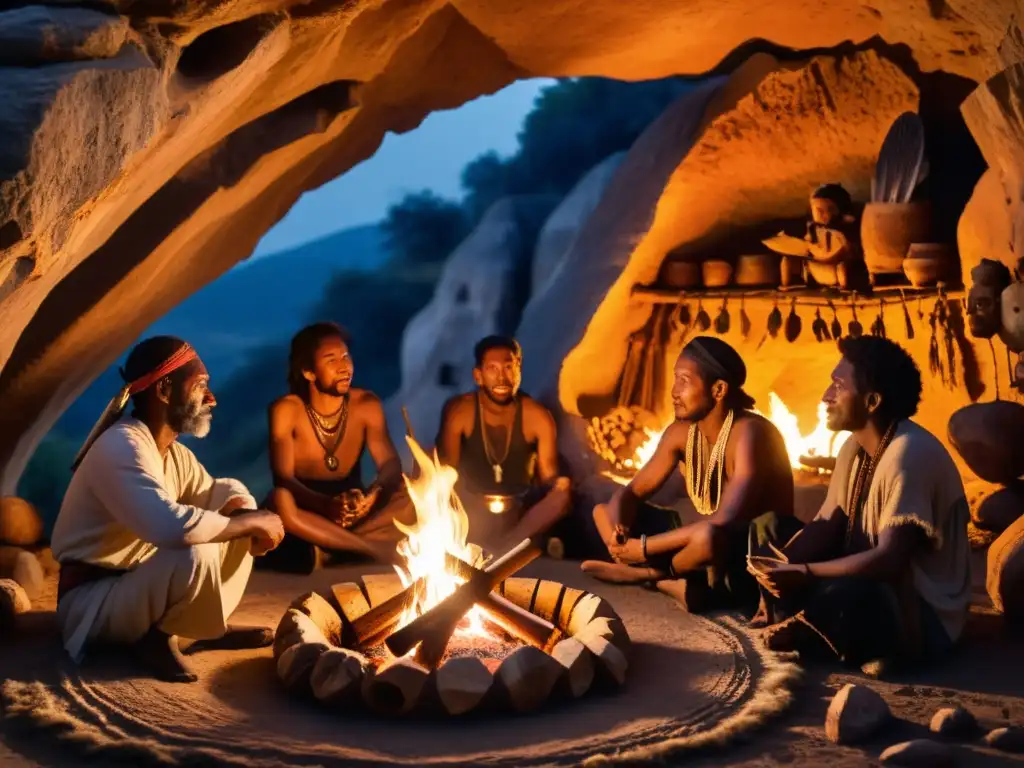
744 321
837 327
878 326
819 327
906 315
855 329
934 358
703 321
722 321
995 366
793 323
774 323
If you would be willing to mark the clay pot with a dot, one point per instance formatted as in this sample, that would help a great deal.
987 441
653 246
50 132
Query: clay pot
988 438
887 231
758 269
717 274
1004 579
929 263
676 273
1011 305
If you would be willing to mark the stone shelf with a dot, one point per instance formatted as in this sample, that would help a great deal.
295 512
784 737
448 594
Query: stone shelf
316 656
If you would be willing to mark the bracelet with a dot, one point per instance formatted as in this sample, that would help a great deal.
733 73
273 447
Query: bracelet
643 544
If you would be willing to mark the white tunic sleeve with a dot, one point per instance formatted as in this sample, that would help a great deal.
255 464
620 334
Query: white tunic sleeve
126 478
199 488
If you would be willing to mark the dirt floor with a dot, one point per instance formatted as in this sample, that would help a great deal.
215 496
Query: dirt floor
986 676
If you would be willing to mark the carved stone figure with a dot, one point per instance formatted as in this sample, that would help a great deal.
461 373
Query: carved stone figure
988 281
1011 308
833 240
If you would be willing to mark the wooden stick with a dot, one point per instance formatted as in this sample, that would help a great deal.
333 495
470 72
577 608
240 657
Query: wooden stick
377 623
408 423
439 622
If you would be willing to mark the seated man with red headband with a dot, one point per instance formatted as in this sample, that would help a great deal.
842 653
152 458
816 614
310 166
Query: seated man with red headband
151 547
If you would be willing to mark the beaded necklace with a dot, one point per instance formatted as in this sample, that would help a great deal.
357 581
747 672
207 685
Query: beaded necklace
697 476
862 482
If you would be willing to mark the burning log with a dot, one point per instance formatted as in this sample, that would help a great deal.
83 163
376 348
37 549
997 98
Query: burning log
351 600
528 677
462 684
437 624
395 687
525 626
337 677
379 622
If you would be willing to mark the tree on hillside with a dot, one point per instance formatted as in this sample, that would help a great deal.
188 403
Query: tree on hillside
423 227
574 125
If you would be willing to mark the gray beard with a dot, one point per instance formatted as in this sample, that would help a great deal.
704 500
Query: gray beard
190 418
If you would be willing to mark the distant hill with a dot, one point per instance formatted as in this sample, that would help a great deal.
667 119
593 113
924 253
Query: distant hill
257 304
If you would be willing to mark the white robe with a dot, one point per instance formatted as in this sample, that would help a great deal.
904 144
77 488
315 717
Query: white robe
128 508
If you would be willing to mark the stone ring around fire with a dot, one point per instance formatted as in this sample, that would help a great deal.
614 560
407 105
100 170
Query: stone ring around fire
316 656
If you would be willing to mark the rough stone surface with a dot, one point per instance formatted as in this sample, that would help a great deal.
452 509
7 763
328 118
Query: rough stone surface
919 753
954 722
556 237
37 34
481 291
23 567
1005 572
1009 739
13 601
1001 509
855 714
150 173
20 523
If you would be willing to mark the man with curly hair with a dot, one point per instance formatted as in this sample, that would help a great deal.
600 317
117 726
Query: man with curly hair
882 574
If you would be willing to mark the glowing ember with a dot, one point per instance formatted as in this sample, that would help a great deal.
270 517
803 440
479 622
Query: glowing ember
820 443
441 527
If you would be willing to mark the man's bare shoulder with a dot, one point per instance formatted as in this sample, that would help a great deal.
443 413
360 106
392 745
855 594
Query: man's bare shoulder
287 407
364 399
676 434
532 409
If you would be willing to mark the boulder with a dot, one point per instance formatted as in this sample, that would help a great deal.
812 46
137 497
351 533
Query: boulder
20 523
954 723
1009 739
919 753
1000 510
559 231
13 601
856 713
39 34
1005 573
481 291
988 438
23 567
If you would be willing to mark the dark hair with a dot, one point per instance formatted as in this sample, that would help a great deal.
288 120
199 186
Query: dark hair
302 355
718 361
488 343
883 366
836 194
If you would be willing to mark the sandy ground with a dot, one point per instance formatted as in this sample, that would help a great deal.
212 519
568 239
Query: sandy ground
986 676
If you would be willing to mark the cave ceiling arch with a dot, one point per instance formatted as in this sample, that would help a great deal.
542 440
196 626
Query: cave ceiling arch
148 145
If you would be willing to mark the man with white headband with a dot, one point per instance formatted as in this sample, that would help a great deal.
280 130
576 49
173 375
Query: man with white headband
737 475
151 546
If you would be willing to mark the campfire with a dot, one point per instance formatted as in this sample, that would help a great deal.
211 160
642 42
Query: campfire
627 437
451 618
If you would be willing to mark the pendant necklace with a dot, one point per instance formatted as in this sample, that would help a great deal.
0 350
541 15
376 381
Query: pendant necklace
697 476
495 465
324 431
862 482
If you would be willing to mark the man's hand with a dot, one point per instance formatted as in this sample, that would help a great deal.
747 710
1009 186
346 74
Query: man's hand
267 530
630 553
352 506
778 578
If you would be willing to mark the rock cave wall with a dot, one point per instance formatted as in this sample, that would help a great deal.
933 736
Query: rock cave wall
146 146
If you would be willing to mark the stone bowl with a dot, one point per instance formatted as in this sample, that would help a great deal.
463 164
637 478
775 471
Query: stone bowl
678 273
717 273
929 263
758 269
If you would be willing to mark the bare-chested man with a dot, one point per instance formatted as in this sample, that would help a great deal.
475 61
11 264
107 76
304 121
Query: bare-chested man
703 564
318 433
503 444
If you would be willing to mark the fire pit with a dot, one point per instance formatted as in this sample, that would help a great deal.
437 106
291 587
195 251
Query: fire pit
450 632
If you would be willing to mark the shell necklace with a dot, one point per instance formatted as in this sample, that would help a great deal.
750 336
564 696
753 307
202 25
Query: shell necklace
324 431
862 482
697 486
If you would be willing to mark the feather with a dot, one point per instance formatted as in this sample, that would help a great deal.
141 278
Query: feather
901 162
113 412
